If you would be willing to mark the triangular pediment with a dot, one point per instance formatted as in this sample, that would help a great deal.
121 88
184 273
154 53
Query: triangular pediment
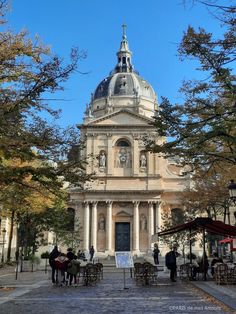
121 117
123 214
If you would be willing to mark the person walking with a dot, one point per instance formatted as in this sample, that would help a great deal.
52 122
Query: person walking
52 256
91 252
156 252
171 263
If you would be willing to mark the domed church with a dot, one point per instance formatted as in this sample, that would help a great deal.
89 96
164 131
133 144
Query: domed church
120 210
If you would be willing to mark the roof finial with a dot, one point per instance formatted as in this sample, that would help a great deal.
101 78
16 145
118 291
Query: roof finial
124 26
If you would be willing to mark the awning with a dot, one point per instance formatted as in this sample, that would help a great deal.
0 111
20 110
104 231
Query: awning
203 223
228 240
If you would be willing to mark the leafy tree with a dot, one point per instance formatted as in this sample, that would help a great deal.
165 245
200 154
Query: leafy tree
201 131
33 225
63 223
33 150
29 74
209 195
180 239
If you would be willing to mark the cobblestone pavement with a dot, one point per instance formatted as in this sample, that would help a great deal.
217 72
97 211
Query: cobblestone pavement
33 293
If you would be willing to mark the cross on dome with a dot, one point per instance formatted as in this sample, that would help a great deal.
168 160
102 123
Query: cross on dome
124 26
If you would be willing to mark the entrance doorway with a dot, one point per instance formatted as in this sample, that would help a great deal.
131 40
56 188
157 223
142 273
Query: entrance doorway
122 236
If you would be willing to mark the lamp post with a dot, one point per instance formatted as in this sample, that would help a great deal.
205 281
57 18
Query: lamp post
3 242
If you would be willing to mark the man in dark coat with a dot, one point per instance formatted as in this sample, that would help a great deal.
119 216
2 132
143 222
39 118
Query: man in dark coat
156 252
171 263
91 252
54 254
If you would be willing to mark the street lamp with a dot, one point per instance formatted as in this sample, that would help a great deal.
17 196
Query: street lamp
232 191
3 242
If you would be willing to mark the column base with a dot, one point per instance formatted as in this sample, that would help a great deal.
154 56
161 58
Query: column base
136 253
109 253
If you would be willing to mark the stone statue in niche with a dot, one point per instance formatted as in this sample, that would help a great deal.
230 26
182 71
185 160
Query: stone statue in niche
122 157
102 159
143 223
102 223
143 160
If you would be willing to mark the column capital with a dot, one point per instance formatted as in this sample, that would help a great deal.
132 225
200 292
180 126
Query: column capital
136 203
109 202
94 203
151 205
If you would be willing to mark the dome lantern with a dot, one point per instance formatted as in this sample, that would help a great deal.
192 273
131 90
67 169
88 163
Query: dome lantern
124 55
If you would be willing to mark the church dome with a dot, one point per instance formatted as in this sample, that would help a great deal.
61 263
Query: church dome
124 83
123 80
124 88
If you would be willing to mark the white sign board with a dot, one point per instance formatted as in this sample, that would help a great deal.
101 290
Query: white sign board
124 260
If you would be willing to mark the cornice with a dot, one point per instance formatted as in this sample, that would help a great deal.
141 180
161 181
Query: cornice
119 192
107 126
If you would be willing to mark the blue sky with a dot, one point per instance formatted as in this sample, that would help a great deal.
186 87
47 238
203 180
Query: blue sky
154 29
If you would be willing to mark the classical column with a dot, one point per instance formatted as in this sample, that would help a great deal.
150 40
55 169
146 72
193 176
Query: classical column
109 227
158 216
136 227
150 222
94 225
86 226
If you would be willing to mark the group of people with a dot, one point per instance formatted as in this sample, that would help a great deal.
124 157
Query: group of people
170 261
201 266
65 267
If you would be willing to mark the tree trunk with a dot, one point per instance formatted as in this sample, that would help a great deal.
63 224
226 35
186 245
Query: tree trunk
10 236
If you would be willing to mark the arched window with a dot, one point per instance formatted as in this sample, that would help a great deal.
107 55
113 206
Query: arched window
122 143
70 219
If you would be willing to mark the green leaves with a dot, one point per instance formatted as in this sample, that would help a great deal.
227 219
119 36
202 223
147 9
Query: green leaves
202 130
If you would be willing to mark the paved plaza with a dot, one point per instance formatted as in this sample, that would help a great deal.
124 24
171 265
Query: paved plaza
33 292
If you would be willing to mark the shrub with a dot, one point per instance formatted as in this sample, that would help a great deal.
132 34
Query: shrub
45 254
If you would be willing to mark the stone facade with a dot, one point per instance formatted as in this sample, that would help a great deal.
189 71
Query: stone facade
121 208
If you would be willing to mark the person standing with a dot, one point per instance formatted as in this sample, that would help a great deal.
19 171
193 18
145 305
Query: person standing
216 259
73 269
54 254
70 255
156 252
91 252
171 263
61 263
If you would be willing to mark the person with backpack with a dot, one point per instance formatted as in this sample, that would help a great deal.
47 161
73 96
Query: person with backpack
73 269
171 262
